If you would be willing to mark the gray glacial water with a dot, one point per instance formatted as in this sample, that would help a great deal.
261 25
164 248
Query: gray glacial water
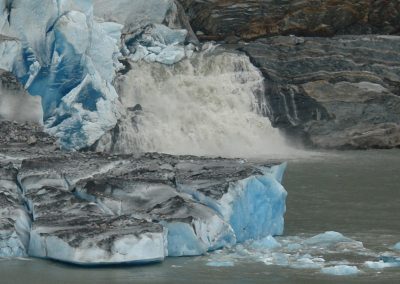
354 193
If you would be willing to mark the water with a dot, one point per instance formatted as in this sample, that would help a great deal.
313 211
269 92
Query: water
354 193
211 104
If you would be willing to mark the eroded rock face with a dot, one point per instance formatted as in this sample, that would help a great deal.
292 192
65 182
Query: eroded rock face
218 19
340 92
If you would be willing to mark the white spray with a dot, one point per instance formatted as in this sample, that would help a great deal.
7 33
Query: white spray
16 104
208 105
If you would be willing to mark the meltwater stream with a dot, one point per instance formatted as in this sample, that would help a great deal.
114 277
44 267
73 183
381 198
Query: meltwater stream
353 193
211 104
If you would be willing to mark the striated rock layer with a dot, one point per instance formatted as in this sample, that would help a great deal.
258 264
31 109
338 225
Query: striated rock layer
340 92
96 209
246 19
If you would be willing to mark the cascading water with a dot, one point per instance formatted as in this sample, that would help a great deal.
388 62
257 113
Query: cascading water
208 105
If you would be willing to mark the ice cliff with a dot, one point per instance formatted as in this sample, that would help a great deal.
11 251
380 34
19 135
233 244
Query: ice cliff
95 209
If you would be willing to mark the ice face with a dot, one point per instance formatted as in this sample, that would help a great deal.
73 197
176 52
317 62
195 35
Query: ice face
240 202
397 246
69 60
93 209
124 242
256 198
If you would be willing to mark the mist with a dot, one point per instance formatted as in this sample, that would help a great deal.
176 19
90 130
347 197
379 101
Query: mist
18 105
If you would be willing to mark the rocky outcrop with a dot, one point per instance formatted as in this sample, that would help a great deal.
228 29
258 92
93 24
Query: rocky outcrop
247 19
340 92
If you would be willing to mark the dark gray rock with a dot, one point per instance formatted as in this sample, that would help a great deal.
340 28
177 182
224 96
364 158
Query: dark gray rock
16 141
340 92
248 19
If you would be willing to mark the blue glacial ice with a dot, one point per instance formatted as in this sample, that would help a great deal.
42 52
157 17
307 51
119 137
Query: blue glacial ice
153 30
134 206
318 253
384 262
397 246
68 53
69 60
268 242
259 197
328 239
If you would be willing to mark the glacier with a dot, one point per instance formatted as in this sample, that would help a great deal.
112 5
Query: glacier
84 61
75 59
63 52
94 209
69 60
140 188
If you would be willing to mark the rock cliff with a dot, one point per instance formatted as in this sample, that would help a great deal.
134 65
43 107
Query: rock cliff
340 92
247 19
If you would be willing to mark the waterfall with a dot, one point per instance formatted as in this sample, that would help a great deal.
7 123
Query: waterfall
210 104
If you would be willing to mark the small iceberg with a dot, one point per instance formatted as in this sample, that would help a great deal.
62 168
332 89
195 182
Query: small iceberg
221 263
381 264
268 242
340 270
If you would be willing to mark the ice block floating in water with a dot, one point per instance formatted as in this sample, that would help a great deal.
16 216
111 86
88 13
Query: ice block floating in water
93 209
